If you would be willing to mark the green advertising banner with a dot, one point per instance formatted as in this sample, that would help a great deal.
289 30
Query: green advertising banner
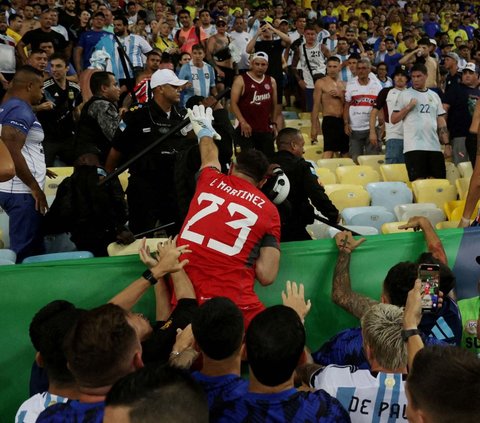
91 282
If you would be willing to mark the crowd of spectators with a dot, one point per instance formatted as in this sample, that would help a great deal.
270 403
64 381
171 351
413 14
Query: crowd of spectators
93 84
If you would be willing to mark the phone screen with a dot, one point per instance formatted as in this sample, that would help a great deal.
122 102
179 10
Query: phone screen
429 274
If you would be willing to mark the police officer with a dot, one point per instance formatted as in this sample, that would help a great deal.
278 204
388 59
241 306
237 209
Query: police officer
151 192
304 186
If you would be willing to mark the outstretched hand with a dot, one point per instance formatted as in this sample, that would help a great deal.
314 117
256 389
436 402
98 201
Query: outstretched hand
416 223
294 297
346 242
201 119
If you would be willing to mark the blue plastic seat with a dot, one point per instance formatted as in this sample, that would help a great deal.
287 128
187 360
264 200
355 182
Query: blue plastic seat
389 194
70 255
374 216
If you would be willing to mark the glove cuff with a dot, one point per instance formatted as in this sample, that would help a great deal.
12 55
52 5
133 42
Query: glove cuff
204 132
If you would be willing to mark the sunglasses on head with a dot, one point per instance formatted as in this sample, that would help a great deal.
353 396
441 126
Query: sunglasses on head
221 24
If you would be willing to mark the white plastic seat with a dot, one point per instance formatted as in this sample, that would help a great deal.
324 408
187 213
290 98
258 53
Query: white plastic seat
465 169
429 210
115 249
374 216
452 172
362 230
389 194
7 256
318 230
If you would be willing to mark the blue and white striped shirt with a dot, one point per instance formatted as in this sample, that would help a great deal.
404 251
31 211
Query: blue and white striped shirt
202 79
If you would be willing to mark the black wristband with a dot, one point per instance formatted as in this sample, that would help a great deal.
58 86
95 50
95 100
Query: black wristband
408 333
149 277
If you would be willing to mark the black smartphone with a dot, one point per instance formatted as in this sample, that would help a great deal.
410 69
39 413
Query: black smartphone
262 23
429 274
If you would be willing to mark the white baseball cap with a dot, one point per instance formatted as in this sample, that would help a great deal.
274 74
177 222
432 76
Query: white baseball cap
470 67
260 55
164 77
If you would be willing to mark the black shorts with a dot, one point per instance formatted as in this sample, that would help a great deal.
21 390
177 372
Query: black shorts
471 146
425 164
334 136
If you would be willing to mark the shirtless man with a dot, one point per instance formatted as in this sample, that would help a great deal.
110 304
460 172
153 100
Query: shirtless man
329 98
471 141
29 22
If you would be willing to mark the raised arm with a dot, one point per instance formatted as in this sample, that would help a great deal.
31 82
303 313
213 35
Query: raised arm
342 294
434 244
267 264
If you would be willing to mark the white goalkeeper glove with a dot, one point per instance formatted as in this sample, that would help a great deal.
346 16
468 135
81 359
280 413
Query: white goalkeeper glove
201 120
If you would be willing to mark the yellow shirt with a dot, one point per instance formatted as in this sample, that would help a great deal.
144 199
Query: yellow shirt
359 11
342 12
192 10
396 28
458 33
164 44
15 35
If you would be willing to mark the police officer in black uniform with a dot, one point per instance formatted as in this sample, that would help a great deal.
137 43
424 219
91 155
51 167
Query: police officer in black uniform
151 192
304 186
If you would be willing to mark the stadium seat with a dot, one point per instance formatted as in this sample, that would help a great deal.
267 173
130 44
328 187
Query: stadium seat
4 228
115 249
62 171
345 195
428 210
304 115
318 230
326 176
450 206
362 230
290 115
7 257
438 191
389 194
465 169
333 163
71 255
447 224
392 228
452 172
457 213
123 178
394 173
300 124
374 216
374 161
360 175
462 185
312 152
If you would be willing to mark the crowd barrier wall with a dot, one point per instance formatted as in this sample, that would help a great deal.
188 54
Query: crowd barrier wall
91 282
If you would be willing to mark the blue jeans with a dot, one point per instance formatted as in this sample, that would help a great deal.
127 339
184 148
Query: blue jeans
394 151
24 224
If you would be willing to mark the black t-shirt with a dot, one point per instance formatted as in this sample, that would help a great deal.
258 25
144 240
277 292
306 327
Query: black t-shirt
462 101
37 36
58 123
159 346
274 49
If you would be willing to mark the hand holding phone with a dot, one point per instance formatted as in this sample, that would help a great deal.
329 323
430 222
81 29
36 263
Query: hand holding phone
429 275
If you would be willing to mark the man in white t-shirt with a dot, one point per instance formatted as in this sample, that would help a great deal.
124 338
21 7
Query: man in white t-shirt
360 96
240 39
376 394
386 100
424 128
310 59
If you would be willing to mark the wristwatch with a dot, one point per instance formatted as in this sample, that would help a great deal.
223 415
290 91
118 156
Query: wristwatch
149 277
408 333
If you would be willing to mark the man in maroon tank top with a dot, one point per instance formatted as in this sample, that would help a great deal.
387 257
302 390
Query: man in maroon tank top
253 102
